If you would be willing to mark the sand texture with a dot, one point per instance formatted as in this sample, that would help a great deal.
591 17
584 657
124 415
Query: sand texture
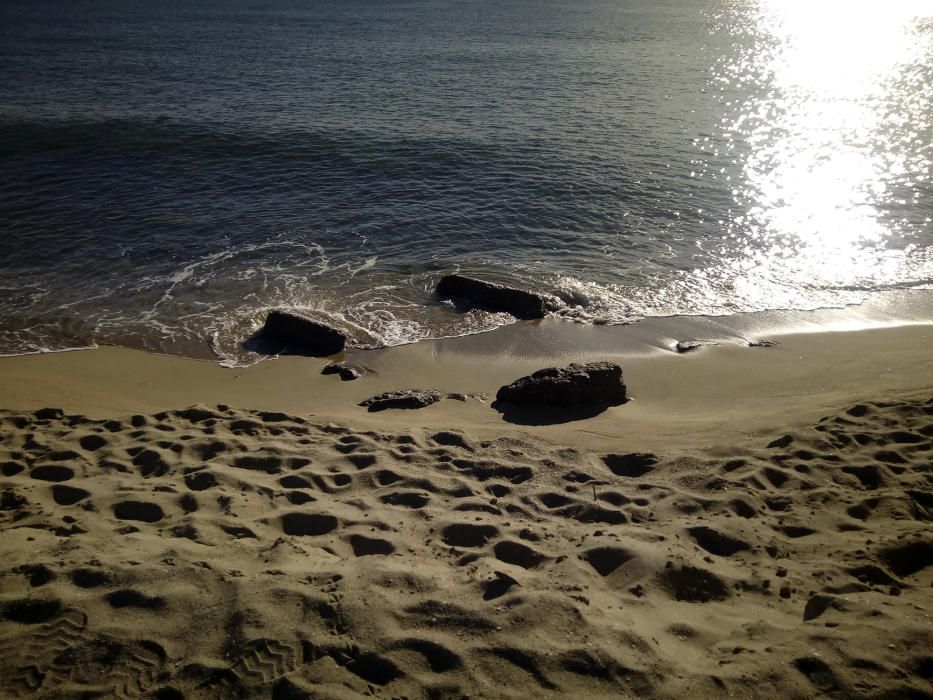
218 553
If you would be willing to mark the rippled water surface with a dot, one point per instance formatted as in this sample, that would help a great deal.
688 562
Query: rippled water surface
172 170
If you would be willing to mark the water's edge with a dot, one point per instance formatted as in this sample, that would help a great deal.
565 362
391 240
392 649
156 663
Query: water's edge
558 339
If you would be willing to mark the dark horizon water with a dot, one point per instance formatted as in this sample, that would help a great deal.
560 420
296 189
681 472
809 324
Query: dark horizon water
171 172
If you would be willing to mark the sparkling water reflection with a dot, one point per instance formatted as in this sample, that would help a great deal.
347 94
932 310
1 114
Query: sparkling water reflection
839 132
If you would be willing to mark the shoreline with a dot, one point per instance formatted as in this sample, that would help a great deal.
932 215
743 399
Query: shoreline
729 387
882 309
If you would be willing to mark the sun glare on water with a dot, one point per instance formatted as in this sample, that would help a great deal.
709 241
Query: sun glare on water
837 130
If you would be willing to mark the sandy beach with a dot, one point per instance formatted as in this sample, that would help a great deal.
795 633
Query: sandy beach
755 522
466 350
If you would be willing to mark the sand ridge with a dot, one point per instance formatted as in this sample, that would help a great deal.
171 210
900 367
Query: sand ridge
213 552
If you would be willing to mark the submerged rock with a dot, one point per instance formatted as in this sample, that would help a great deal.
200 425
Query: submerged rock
573 387
497 297
345 371
408 398
303 335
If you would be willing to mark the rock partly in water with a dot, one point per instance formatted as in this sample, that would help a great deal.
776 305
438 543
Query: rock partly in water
345 371
762 344
497 297
573 387
302 335
408 398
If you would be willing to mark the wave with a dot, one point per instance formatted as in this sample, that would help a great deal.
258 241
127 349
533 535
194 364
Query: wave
207 308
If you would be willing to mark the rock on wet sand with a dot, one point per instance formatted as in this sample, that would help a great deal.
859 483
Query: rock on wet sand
408 398
571 387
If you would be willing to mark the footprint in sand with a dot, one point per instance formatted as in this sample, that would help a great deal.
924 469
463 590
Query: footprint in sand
90 578
131 598
269 464
92 442
518 554
406 499
468 535
716 542
369 546
68 495
139 511
694 585
31 661
52 472
606 559
308 524
633 465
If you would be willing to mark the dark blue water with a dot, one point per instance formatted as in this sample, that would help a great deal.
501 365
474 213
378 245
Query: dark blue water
170 172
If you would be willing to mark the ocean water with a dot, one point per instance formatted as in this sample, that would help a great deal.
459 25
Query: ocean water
170 171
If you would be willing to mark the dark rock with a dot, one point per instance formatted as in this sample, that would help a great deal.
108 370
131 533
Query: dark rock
345 371
497 297
409 398
762 343
302 334
572 387
688 345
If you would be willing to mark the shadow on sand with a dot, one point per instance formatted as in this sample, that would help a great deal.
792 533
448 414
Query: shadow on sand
547 415
263 345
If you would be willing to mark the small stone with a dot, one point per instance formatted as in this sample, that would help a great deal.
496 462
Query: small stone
409 398
683 346
343 370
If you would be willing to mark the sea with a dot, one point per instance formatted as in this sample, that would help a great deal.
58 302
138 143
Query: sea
171 171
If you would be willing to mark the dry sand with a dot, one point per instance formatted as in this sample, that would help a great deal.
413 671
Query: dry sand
755 523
